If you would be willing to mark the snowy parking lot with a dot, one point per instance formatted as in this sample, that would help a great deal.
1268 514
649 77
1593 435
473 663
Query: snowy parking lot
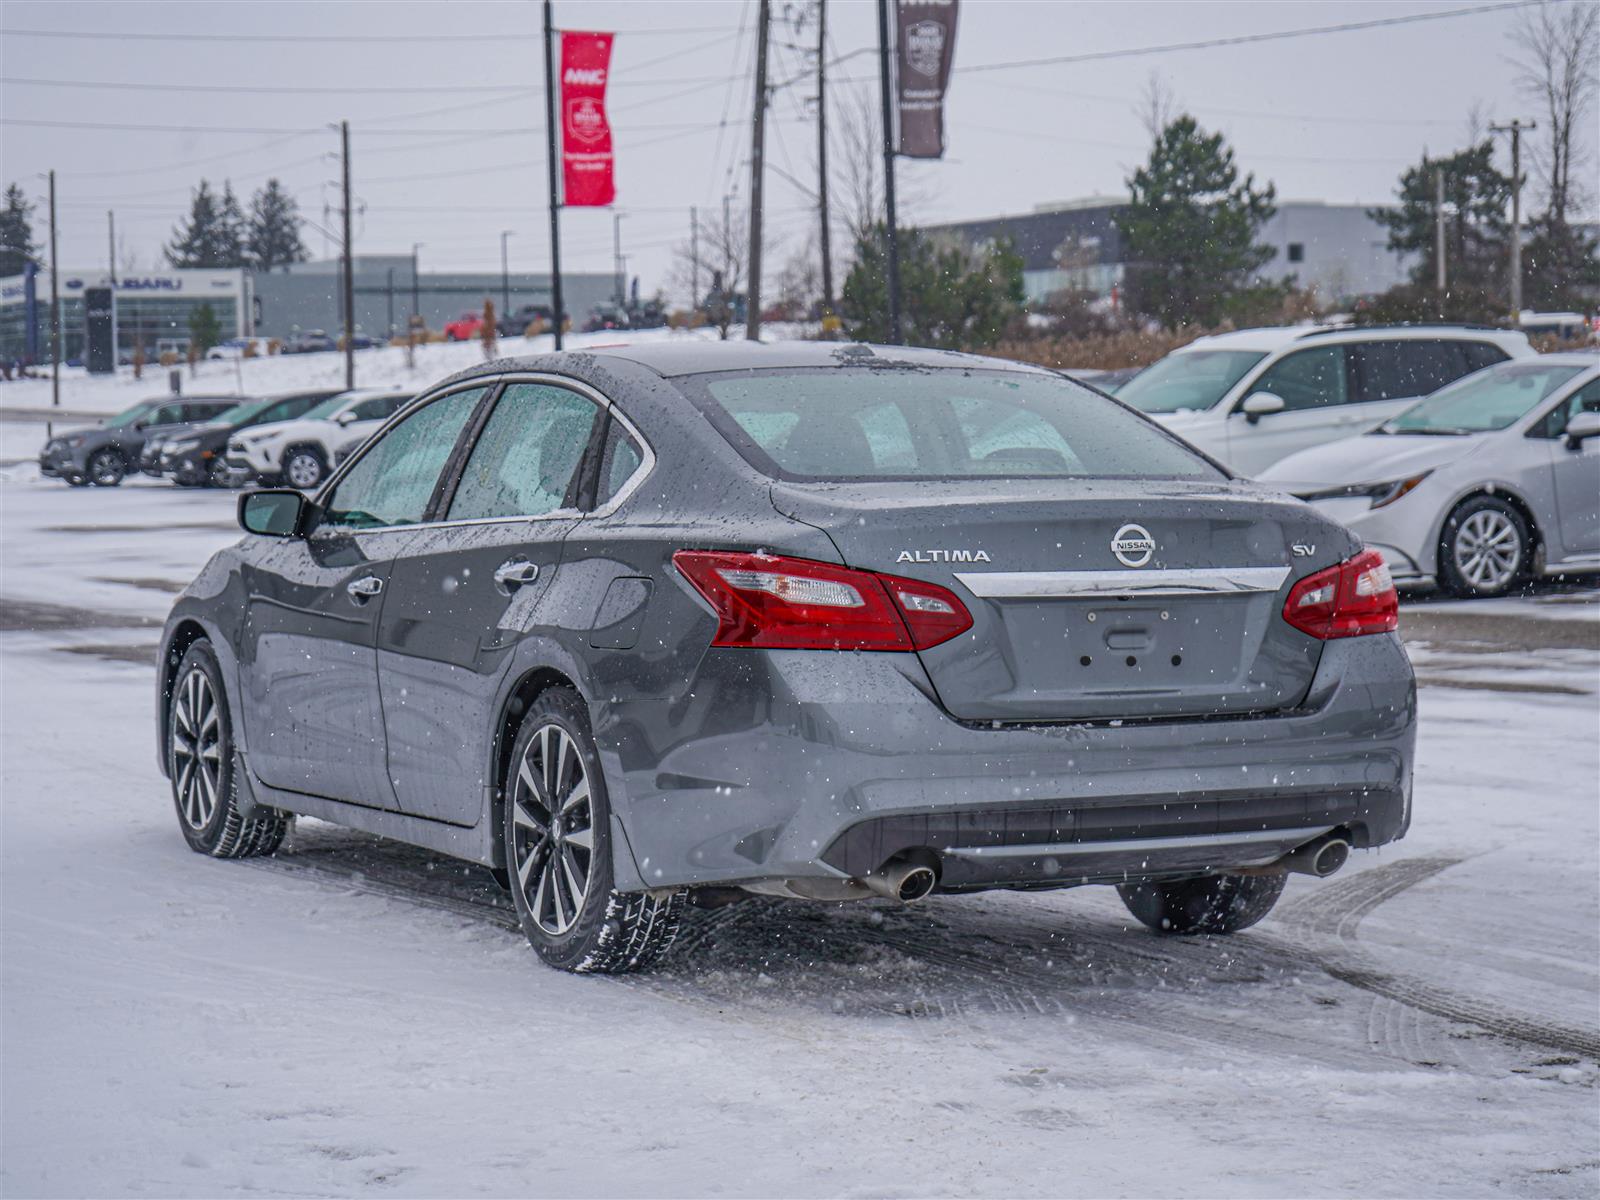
353 1016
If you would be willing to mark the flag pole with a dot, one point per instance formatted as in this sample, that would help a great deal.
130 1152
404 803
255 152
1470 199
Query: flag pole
888 172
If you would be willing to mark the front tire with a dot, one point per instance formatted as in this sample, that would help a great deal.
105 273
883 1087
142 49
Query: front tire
201 764
106 468
304 468
1485 549
557 837
1208 904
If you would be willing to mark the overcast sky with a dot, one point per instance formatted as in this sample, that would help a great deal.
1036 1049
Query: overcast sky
1333 117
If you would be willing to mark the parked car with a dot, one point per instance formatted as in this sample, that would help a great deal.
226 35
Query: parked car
196 456
809 620
465 327
1482 485
515 324
300 452
104 454
1253 397
605 316
309 341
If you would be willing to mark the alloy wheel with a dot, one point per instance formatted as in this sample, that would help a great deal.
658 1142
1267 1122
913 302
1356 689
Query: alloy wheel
303 470
1488 549
106 469
197 749
553 829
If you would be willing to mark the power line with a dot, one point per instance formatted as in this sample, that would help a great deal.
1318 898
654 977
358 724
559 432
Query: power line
333 38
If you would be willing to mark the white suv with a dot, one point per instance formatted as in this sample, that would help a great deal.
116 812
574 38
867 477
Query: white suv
1253 397
301 452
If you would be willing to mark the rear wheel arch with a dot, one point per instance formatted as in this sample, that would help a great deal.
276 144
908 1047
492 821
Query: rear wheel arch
187 633
532 684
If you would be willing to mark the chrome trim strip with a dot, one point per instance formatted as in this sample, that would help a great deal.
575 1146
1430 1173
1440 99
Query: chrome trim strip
1290 837
1175 581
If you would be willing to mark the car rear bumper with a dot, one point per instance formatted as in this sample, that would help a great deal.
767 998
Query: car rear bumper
812 766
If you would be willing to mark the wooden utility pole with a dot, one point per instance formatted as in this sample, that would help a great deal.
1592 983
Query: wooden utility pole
556 306
758 146
886 89
822 156
349 266
694 258
1515 129
55 304
1438 230
111 245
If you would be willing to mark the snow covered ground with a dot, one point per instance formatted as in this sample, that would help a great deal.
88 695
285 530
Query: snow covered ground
353 1017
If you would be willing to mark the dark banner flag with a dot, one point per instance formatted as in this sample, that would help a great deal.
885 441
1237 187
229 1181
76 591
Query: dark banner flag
586 158
927 30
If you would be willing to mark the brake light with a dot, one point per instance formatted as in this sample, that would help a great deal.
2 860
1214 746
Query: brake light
1348 600
777 603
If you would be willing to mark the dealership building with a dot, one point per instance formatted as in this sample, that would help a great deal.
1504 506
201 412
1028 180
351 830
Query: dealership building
1336 248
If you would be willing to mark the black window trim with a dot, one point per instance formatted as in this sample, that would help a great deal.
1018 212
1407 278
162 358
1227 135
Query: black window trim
1568 390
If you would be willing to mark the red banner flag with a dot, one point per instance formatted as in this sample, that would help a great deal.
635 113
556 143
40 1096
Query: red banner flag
586 157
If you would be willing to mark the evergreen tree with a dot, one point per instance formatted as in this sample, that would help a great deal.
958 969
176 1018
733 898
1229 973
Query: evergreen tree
1560 267
209 237
1190 228
1476 199
950 297
16 232
235 229
274 230
204 330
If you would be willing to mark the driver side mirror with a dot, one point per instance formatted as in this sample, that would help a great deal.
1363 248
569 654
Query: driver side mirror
274 512
1261 404
1583 426
346 417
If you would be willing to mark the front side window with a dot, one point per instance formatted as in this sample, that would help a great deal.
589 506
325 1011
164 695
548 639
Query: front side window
1585 399
1307 379
1487 401
393 482
1188 380
168 414
1401 369
832 423
128 417
526 459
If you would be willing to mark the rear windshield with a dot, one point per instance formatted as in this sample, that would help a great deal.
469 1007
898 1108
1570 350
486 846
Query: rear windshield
842 424
1188 380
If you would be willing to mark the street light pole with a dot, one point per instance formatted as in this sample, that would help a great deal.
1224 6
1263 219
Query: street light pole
348 268
55 304
416 291
505 274
616 259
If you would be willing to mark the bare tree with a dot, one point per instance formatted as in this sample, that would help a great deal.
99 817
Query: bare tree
723 253
1158 105
1559 69
857 162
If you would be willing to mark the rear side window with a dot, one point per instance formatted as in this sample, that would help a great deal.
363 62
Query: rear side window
525 460
379 407
394 481
1316 378
842 423
1482 354
1399 370
620 459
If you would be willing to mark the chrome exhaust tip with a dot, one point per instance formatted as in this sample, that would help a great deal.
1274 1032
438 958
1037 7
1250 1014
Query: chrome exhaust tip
906 882
1320 857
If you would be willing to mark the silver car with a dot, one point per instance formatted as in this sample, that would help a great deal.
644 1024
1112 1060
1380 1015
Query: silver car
679 623
1481 486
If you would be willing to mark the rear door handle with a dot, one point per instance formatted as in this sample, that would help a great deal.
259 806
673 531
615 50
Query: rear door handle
363 589
515 573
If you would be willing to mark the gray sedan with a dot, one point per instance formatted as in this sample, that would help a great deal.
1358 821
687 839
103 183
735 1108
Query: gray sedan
681 623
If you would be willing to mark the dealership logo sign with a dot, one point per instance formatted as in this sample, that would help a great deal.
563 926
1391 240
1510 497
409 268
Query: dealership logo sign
586 120
925 47
1133 545
153 283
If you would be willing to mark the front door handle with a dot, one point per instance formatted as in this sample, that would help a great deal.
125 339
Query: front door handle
515 573
363 589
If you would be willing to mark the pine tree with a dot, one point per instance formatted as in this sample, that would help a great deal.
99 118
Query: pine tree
204 330
235 230
274 229
950 296
16 232
1476 200
210 235
1190 228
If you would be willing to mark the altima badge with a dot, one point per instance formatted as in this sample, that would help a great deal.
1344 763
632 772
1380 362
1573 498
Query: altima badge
943 556
1133 545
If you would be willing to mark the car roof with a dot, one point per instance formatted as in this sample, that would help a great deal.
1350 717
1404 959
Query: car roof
1564 358
671 359
1270 338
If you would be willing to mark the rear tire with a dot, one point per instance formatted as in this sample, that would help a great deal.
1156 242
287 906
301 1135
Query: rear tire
201 764
557 837
304 467
1485 549
1208 904
106 468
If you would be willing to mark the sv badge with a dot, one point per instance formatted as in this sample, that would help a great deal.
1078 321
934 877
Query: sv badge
1301 550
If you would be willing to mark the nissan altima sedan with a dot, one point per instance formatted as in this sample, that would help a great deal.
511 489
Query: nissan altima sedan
1480 487
640 627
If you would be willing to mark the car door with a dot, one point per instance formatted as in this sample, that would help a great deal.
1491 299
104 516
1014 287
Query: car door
310 678
1574 475
1314 385
471 586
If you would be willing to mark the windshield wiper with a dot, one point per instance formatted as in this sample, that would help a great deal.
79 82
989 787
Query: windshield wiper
1434 432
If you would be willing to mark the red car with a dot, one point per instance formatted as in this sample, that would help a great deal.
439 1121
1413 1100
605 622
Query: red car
464 327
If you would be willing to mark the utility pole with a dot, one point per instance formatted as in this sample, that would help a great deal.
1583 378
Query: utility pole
390 291
556 307
822 156
886 90
1515 129
505 274
349 269
616 260
416 288
758 147
111 245
55 304
1438 230
694 258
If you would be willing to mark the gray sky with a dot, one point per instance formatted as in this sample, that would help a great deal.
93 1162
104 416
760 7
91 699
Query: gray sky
1333 117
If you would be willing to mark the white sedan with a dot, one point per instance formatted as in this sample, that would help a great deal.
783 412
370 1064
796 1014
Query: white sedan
1483 484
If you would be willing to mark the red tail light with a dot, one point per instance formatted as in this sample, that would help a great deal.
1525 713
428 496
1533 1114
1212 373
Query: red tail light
795 604
1353 598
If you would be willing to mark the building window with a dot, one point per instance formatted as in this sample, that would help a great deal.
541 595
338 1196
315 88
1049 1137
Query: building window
1297 252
